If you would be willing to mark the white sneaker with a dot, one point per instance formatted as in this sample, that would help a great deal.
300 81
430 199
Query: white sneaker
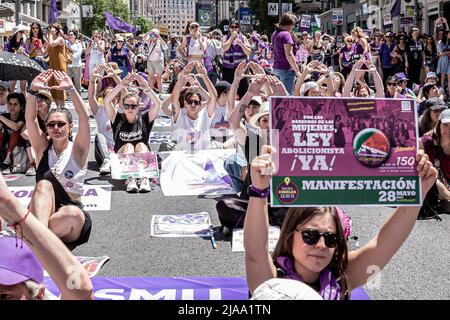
145 185
131 185
105 168
31 171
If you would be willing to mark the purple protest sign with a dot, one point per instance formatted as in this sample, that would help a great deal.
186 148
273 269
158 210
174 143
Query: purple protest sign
119 25
344 151
177 288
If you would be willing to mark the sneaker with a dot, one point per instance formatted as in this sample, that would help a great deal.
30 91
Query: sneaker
131 185
5 168
145 187
105 168
31 171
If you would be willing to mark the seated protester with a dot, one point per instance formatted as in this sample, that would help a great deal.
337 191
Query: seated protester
403 82
4 90
141 63
316 72
22 266
392 88
436 145
429 118
43 101
325 265
220 125
191 122
61 163
362 89
10 127
431 78
429 90
104 142
131 130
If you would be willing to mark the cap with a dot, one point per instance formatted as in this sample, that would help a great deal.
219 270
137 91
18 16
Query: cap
45 94
218 32
306 87
155 31
400 76
18 264
435 104
4 84
263 111
119 38
19 28
285 289
115 67
444 117
173 35
140 55
257 99
222 86
389 34
431 74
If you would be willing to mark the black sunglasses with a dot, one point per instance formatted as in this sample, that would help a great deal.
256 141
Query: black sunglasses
130 106
312 236
195 102
59 124
194 26
392 84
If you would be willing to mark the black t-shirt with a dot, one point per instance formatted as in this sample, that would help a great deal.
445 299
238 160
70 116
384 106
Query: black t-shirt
414 50
134 133
7 130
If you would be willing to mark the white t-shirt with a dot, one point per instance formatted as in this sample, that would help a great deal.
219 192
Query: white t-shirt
219 124
104 126
192 134
3 108
157 53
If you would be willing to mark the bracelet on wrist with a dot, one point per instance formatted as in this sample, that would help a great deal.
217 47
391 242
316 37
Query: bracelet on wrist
33 92
257 193
14 225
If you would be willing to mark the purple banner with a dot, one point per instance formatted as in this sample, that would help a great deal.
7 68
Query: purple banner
119 25
177 288
362 146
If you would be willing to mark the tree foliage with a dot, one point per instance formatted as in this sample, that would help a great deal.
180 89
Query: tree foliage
117 7
144 24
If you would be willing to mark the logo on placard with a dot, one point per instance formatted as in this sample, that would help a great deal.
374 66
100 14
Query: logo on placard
371 147
68 174
287 192
69 184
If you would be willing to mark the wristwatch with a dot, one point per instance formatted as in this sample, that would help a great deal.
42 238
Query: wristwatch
255 192
33 92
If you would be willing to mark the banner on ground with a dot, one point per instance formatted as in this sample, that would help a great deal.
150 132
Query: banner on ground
138 165
195 174
238 239
344 151
181 225
95 198
173 288
90 264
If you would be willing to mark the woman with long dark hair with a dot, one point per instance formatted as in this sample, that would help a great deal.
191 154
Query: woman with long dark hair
36 44
312 247
16 44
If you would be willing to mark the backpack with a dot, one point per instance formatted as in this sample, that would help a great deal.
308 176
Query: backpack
20 162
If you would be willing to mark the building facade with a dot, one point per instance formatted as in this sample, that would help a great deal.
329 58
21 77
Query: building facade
172 14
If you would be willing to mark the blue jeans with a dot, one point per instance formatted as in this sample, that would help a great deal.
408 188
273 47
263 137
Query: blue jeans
287 77
233 166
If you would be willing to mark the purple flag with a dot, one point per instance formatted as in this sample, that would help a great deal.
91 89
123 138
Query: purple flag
395 11
53 12
119 25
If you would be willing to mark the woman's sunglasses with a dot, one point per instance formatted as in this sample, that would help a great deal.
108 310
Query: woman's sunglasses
195 102
59 124
312 236
392 84
130 106
194 26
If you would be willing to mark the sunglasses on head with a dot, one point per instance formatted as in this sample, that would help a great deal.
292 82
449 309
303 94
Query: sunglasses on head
59 124
195 102
312 236
130 106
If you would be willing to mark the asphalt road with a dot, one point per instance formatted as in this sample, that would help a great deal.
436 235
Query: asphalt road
420 270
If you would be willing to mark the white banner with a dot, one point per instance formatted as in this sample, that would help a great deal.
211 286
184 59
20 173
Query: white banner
95 198
387 20
272 9
201 173
238 239
181 225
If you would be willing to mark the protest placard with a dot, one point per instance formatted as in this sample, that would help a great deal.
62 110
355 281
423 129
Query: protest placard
138 165
407 22
181 225
338 17
344 151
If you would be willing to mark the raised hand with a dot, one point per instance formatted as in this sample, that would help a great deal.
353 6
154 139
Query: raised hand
63 80
127 80
141 81
239 72
40 82
96 73
256 68
262 168
201 69
277 86
255 86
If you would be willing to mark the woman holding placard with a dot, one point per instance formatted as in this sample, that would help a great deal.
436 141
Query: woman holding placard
325 265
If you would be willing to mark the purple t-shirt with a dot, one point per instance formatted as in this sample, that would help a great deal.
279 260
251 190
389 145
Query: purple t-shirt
346 57
279 39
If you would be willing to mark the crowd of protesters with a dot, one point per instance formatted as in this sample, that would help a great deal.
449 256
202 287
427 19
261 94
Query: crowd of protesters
218 87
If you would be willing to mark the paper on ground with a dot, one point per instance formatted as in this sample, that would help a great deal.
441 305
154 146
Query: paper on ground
181 225
238 239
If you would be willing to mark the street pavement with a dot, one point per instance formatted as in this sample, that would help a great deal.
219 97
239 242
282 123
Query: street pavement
420 270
